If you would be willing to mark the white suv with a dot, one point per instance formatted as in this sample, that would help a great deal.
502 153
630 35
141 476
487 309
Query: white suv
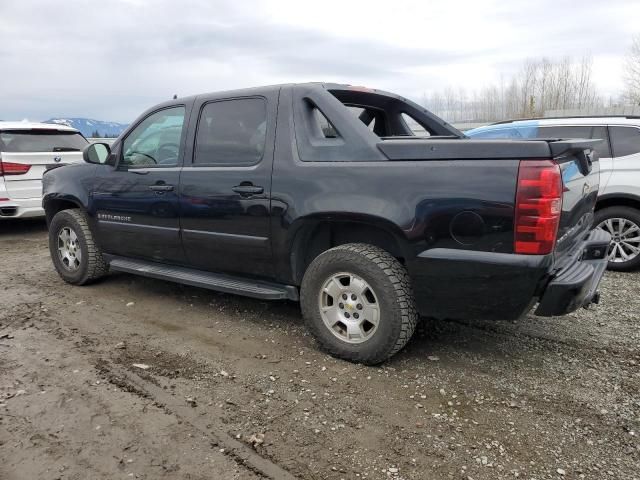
618 207
26 151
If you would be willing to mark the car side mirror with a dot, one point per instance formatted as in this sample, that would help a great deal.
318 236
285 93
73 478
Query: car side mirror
96 153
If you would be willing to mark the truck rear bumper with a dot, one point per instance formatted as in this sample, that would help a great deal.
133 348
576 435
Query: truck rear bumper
465 284
577 285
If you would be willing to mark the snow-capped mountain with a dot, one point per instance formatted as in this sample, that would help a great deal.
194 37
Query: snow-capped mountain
89 127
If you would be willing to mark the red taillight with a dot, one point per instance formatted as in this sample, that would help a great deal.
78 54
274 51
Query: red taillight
538 207
10 168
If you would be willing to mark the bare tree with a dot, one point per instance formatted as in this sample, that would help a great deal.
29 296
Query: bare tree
450 103
540 85
632 72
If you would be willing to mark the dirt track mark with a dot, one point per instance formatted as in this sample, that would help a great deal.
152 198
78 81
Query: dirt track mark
214 430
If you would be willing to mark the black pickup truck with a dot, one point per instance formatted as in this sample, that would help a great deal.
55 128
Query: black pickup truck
360 204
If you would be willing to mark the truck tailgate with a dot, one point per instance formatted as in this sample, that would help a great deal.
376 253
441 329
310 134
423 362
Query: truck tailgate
580 171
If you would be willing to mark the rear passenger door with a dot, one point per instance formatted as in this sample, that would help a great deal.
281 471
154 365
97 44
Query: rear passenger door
226 183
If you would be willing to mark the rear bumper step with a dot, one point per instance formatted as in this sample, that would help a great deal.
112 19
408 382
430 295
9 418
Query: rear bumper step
577 285
202 279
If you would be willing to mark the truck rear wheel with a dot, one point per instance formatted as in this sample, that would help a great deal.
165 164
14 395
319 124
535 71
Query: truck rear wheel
74 252
357 301
623 223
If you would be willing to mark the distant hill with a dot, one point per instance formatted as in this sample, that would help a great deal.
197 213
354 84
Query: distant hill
89 127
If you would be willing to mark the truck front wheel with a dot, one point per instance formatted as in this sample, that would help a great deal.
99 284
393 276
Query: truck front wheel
74 252
357 301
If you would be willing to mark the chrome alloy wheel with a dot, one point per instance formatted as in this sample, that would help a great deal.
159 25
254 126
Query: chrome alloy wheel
349 308
625 239
69 250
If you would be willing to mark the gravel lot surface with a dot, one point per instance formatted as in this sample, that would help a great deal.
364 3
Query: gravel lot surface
232 388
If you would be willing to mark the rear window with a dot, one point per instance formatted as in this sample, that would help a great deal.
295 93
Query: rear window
517 131
389 116
416 129
375 119
41 141
324 125
496 133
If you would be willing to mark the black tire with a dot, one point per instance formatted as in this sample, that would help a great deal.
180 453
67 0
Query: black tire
390 282
91 265
630 214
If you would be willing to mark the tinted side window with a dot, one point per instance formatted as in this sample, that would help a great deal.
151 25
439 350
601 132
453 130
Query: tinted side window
231 132
156 140
565 131
579 131
625 140
602 148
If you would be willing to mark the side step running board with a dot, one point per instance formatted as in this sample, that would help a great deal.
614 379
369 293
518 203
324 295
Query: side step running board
199 278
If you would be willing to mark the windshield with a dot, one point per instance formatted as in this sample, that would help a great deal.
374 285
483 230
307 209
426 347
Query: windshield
41 141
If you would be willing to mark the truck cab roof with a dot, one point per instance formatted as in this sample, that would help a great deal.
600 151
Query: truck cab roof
372 106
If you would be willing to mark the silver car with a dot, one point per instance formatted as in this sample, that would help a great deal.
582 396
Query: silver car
618 207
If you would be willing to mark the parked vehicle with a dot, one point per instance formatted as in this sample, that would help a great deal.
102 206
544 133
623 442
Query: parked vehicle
26 151
618 205
321 193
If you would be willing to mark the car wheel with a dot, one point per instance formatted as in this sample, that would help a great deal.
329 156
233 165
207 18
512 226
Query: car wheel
74 252
623 224
357 302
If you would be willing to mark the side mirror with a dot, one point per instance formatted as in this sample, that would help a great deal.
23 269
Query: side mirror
96 153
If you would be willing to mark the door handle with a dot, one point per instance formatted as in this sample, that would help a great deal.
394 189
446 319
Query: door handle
161 188
247 189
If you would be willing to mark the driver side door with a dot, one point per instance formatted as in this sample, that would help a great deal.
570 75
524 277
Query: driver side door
135 203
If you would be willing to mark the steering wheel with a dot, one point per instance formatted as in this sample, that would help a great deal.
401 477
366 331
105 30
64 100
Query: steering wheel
167 152
135 152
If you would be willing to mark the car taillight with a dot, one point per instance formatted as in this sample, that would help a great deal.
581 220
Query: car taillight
10 168
538 207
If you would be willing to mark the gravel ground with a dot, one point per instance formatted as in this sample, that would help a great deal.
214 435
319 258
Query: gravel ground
229 387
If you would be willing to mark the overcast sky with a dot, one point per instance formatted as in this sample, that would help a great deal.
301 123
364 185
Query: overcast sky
110 60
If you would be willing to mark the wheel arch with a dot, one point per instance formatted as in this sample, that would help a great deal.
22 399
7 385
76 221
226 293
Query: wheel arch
53 205
316 234
618 200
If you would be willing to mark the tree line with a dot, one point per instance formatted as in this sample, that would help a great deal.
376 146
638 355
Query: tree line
539 86
96 134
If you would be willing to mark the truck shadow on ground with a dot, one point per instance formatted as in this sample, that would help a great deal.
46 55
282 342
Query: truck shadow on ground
433 338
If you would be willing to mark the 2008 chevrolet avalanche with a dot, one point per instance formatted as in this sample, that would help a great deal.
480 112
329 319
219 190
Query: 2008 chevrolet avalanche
357 202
